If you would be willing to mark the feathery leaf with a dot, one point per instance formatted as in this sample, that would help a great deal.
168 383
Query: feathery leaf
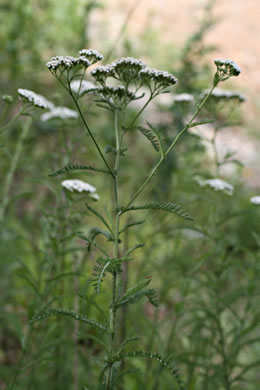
165 206
70 313
76 167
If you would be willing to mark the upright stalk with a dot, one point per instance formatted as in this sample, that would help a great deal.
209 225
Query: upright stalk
116 254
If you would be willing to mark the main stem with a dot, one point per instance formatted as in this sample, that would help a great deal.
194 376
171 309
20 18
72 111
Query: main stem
116 255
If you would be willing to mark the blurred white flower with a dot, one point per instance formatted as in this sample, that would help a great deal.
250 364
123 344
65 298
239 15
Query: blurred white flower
183 97
35 99
255 200
78 185
59 112
81 87
219 93
217 185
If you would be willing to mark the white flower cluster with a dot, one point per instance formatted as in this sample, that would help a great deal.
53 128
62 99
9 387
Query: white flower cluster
255 200
82 86
101 73
224 94
160 78
227 68
217 185
115 96
65 62
183 97
127 68
35 99
80 186
59 112
92 55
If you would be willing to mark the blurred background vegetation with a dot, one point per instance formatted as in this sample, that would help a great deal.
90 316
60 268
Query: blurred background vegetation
207 272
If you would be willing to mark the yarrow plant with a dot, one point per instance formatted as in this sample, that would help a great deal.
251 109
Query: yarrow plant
116 85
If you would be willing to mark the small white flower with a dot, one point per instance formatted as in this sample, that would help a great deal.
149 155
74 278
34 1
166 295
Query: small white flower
217 185
92 55
94 196
255 200
183 97
81 87
59 112
35 99
78 185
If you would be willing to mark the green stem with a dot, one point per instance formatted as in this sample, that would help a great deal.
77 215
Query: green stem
157 165
116 255
140 112
12 169
91 135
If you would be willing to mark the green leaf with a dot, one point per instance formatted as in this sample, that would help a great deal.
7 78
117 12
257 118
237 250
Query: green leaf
164 206
70 313
128 341
165 362
151 294
153 135
76 167
100 217
132 249
137 287
131 224
206 121
99 272
93 302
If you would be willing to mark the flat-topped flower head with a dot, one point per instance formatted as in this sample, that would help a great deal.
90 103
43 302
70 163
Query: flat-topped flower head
83 61
255 200
34 99
156 80
92 55
101 73
116 97
226 69
217 185
127 69
63 113
61 63
183 98
222 94
82 87
80 186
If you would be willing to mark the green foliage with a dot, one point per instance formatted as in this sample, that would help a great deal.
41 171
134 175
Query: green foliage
164 206
75 168
70 313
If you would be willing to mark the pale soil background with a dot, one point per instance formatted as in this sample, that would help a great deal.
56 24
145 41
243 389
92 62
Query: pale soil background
236 35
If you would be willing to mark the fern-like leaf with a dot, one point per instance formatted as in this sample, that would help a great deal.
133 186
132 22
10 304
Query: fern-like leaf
93 302
72 314
76 167
165 361
132 249
128 341
100 217
151 294
99 272
131 224
151 136
137 287
164 206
